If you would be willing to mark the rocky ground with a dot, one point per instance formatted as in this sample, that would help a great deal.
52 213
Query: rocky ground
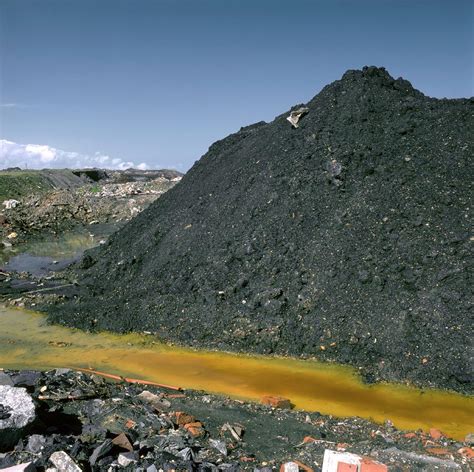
64 420
114 197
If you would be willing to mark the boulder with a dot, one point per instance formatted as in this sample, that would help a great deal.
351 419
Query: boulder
17 412
63 462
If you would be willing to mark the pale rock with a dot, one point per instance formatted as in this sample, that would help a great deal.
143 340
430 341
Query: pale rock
63 462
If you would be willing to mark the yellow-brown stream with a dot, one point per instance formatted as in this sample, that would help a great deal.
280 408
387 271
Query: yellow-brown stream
27 342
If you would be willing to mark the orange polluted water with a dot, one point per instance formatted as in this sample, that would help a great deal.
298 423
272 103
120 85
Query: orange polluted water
27 342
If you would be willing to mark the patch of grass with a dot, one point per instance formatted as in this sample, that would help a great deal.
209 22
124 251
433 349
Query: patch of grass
17 184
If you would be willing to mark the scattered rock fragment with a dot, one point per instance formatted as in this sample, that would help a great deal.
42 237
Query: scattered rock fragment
25 467
296 115
289 467
122 442
156 401
36 443
219 445
127 458
92 433
12 203
276 401
63 462
100 451
16 414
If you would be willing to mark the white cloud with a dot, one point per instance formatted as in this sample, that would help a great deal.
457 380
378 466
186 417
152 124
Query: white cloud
40 156
13 105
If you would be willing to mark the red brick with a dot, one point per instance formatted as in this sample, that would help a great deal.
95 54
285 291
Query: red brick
130 424
438 451
176 395
436 434
467 452
194 424
195 429
410 435
368 465
309 439
276 402
344 467
182 418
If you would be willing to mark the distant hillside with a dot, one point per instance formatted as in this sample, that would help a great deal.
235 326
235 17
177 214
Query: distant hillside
16 183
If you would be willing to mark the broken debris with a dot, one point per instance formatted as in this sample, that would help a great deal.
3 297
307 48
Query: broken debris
296 115
104 425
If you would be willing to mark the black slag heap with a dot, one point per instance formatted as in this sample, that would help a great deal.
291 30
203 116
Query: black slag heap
346 239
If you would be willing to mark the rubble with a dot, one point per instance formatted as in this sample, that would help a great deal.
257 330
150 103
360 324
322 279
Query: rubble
289 467
17 412
25 467
63 462
110 200
346 462
8 204
92 423
296 115
276 402
127 458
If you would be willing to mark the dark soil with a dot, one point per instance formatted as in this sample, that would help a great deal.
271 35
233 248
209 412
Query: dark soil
346 239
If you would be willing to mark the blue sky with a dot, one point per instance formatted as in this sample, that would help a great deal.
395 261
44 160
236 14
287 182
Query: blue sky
157 81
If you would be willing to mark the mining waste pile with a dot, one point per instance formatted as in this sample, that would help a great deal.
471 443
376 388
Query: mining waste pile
342 236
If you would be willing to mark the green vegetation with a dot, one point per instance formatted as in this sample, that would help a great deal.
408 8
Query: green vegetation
16 184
